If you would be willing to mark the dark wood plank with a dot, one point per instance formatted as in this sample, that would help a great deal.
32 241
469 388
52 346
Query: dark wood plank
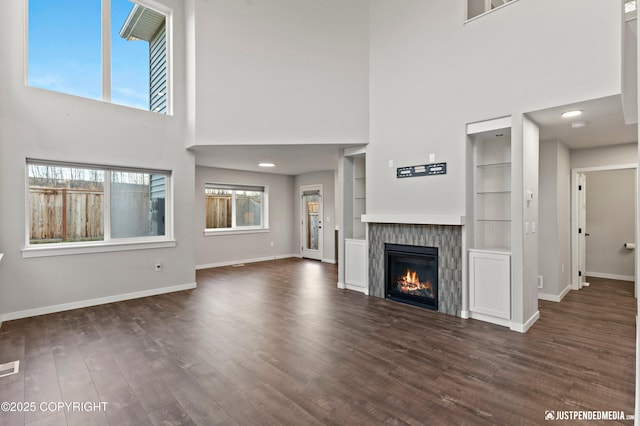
277 343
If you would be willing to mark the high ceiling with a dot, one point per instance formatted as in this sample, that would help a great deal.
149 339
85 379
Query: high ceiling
289 159
604 118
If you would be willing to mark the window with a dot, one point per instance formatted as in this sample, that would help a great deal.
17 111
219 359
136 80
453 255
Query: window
630 7
76 204
235 208
125 61
478 7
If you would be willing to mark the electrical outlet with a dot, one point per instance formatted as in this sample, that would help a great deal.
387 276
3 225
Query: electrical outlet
271 244
158 266
432 158
390 164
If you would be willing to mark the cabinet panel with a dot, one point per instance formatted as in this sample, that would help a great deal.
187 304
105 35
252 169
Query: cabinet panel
490 283
355 273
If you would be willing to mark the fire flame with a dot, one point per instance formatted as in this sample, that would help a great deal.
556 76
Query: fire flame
411 283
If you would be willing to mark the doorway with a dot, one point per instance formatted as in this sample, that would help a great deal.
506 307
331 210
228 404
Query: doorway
311 223
603 217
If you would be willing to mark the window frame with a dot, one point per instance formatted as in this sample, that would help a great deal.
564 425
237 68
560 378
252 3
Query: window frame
234 229
109 243
106 52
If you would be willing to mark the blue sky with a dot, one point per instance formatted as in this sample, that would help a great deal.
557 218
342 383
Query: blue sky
65 51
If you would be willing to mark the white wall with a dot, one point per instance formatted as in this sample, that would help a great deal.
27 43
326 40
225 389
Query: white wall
228 249
431 74
530 155
610 223
329 206
554 227
630 71
41 124
279 71
604 156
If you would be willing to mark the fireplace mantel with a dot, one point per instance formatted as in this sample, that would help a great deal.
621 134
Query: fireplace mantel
423 219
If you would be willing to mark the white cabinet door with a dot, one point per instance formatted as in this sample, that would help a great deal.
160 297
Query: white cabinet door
490 283
355 268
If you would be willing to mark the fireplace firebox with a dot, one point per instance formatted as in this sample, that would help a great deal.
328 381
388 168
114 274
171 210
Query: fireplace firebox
411 274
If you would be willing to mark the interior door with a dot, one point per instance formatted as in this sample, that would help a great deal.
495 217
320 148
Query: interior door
582 232
311 224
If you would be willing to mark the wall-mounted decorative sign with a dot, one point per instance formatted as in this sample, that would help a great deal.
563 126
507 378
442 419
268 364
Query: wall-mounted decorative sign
424 170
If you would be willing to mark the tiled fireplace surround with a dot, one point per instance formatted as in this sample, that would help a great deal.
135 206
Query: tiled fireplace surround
448 240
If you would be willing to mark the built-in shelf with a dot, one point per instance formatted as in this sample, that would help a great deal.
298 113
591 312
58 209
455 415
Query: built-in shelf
491 165
359 196
492 189
489 261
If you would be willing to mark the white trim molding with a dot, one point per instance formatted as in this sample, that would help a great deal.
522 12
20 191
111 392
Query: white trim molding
611 276
490 319
553 297
94 302
523 328
85 248
428 219
359 289
240 261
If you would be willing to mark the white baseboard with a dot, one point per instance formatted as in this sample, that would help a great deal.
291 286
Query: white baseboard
360 289
465 314
488 318
523 328
553 297
93 302
333 261
236 262
341 285
611 276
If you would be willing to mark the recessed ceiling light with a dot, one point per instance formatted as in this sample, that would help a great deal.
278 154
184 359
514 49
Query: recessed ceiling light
266 165
569 114
579 124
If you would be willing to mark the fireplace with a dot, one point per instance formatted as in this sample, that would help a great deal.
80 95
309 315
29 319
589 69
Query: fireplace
411 274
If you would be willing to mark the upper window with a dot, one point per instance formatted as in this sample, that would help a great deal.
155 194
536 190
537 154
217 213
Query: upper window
630 7
235 207
125 61
478 7
75 203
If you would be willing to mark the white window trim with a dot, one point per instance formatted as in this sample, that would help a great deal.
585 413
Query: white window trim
105 42
467 19
108 244
235 230
95 247
238 231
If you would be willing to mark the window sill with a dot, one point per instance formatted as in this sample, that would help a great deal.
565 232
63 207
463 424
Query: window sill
101 247
213 233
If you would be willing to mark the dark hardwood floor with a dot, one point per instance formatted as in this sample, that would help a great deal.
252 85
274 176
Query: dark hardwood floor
277 343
